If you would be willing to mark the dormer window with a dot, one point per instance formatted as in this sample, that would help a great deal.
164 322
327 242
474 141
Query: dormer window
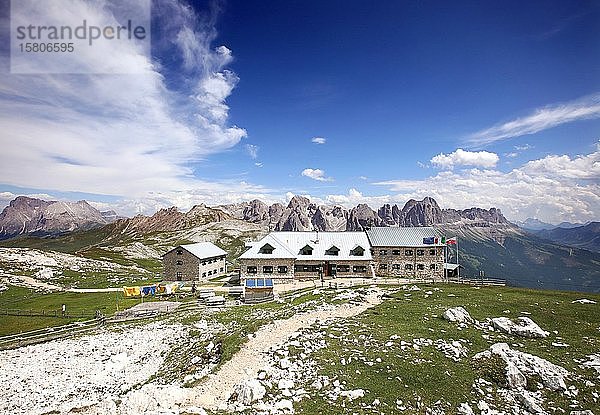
307 250
180 252
334 250
266 249
357 251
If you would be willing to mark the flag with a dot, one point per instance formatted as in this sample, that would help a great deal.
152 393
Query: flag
429 241
443 240
451 241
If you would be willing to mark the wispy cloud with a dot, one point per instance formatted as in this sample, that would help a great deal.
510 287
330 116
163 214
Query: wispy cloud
554 188
318 140
540 119
316 174
127 135
461 157
252 150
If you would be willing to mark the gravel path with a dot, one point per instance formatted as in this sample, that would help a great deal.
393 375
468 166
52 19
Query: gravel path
246 363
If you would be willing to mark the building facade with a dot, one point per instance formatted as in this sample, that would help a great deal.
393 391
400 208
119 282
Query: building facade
285 256
194 262
411 252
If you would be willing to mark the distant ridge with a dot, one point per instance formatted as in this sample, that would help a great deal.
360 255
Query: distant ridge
25 215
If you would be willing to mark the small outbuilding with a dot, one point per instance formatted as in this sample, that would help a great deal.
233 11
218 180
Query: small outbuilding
194 262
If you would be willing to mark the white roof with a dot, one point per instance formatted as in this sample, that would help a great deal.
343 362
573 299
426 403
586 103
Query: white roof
204 250
289 244
402 236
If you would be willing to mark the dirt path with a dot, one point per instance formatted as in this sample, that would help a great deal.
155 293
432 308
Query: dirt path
29 282
246 363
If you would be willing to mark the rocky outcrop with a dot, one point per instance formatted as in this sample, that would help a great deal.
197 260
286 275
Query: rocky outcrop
25 215
301 215
523 326
362 217
457 315
520 366
170 219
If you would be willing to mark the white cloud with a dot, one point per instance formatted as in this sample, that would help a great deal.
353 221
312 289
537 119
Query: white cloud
316 174
511 155
258 164
523 147
124 135
461 157
318 140
555 189
540 119
252 150
354 197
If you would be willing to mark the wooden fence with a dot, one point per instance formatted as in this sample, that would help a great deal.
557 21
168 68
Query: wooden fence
47 313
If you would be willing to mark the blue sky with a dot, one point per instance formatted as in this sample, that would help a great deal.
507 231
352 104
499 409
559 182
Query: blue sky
473 103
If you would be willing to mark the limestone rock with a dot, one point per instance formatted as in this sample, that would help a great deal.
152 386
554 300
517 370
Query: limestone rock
248 392
519 365
524 327
457 315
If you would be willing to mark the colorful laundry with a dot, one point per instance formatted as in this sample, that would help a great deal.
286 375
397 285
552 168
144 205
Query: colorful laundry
131 291
149 290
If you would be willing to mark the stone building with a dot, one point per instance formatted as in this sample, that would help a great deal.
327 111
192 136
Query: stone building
407 252
194 262
285 256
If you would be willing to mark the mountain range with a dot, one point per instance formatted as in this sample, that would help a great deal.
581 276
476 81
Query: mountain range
488 241
25 215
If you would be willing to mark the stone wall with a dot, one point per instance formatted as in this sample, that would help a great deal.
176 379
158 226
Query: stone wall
407 262
278 278
181 265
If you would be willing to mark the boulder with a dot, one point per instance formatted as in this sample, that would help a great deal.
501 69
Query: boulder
248 392
523 326
457 315
520 365
353 394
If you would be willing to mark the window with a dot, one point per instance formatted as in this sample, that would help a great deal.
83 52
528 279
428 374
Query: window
203 262
204 274
307 268
396 252
266 249
343 268
382 266
420 252
396 267
358 251
432 266
307 250
179 276
251 270
282 269
221 269
209 273
432 252
267 269
215 271
179 252
334 250
408 252
383 252
179 262
408 267
359 268
420 267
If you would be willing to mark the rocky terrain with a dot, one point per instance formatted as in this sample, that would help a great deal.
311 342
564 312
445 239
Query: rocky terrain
25 215
406 349
302 215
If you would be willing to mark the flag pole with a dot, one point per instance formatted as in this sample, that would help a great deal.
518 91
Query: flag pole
458 266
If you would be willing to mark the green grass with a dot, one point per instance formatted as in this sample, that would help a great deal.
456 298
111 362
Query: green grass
426 375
